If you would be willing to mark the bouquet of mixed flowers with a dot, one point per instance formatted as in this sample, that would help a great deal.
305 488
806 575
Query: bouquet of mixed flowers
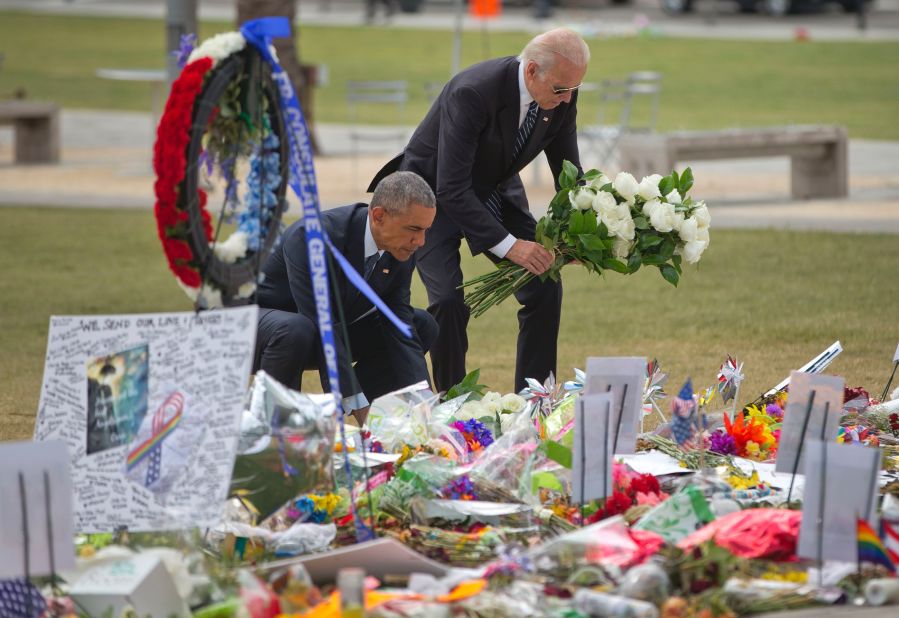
605 224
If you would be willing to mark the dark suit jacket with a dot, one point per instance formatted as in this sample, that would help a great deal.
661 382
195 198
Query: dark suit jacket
463 147
287 286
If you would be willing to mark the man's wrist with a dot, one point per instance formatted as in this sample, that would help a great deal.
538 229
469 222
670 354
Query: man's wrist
354 402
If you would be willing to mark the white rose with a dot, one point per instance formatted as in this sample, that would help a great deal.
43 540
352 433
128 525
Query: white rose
702 215
604 201
507 422
649 187
513 402
623 211
491 396
674 197
470 410
611 221
626 229
693 251
621 248
493 407
651 207
662 218
703 234
677 220
582 199
688 230
599 183
626 185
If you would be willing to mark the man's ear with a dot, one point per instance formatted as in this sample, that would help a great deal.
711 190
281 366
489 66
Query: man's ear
377 214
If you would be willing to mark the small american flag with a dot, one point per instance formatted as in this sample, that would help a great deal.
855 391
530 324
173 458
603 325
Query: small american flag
15 595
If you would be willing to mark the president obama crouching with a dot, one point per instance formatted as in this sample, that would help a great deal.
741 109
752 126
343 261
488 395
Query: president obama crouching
379 241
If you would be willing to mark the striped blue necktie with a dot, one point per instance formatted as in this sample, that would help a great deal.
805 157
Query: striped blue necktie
494 202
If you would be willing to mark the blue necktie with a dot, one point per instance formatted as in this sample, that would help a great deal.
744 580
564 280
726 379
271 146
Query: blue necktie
494 202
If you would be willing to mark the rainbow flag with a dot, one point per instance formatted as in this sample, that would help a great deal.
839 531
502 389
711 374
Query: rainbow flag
870 548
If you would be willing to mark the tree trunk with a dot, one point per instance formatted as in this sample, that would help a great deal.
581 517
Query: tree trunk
302 77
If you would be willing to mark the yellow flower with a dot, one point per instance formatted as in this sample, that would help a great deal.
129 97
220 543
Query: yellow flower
752 450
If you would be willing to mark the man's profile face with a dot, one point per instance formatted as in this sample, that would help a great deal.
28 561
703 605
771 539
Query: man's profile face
403 233
563 74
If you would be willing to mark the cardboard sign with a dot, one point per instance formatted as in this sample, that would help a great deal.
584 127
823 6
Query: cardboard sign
840 487
140 582
36 496
149 406
624 377
813 411
591 462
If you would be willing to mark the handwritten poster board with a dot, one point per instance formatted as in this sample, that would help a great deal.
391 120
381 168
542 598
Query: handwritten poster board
149 406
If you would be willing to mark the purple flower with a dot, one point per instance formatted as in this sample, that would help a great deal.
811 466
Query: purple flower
722 443
460 489
185 47
775 411
475 430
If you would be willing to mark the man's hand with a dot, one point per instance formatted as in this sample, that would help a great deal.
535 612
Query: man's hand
530 255
360 415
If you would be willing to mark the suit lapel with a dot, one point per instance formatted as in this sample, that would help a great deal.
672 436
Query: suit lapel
532 146
508 115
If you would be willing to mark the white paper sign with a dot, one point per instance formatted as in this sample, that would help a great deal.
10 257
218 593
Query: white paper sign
896 355
816 365
624 377
840 488
149 406
591 461
39 473
813 411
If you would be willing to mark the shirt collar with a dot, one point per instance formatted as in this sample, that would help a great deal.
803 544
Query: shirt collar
524 97
371 246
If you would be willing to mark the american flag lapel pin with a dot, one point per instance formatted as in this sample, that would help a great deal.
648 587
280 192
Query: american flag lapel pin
386 271
546 119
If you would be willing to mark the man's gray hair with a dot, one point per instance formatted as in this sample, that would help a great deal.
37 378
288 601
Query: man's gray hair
545 48
397 193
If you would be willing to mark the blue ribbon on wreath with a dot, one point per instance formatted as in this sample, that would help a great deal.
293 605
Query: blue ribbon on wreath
259 33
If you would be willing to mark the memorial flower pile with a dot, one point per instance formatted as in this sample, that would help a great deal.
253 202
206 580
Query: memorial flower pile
604 224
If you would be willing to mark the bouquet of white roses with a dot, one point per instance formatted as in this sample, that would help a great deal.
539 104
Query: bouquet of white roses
605 224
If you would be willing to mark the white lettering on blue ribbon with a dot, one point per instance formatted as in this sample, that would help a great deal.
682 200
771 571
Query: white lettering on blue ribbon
259 33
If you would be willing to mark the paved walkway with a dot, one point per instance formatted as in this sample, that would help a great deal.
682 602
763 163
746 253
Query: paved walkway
106 163
711 18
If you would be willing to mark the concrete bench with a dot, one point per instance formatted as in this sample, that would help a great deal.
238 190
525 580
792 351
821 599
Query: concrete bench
818 154
36 127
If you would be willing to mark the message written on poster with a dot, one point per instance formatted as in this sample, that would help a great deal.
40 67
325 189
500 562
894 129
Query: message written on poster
624 377
149 406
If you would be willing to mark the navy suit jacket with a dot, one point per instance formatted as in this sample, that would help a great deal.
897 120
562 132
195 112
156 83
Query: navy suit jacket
287 286
463 148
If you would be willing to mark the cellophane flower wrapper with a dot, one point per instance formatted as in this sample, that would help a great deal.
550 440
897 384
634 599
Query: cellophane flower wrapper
678 516
508 461
403 417
439 511
285 446
753 533
608 542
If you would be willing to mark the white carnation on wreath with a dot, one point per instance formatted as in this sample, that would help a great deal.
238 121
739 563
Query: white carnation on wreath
219 47
232 249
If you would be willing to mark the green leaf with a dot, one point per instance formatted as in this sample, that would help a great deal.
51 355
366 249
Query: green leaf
650 240
558 453
590 222
634 261
686 182
469 384
669 274
667 248
576 222
653 259
614 264
591 175
641 223
568 177
592 242
676 259
666 185
547 480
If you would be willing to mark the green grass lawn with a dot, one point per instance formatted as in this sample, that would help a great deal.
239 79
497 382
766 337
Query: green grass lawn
772 298
707 84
